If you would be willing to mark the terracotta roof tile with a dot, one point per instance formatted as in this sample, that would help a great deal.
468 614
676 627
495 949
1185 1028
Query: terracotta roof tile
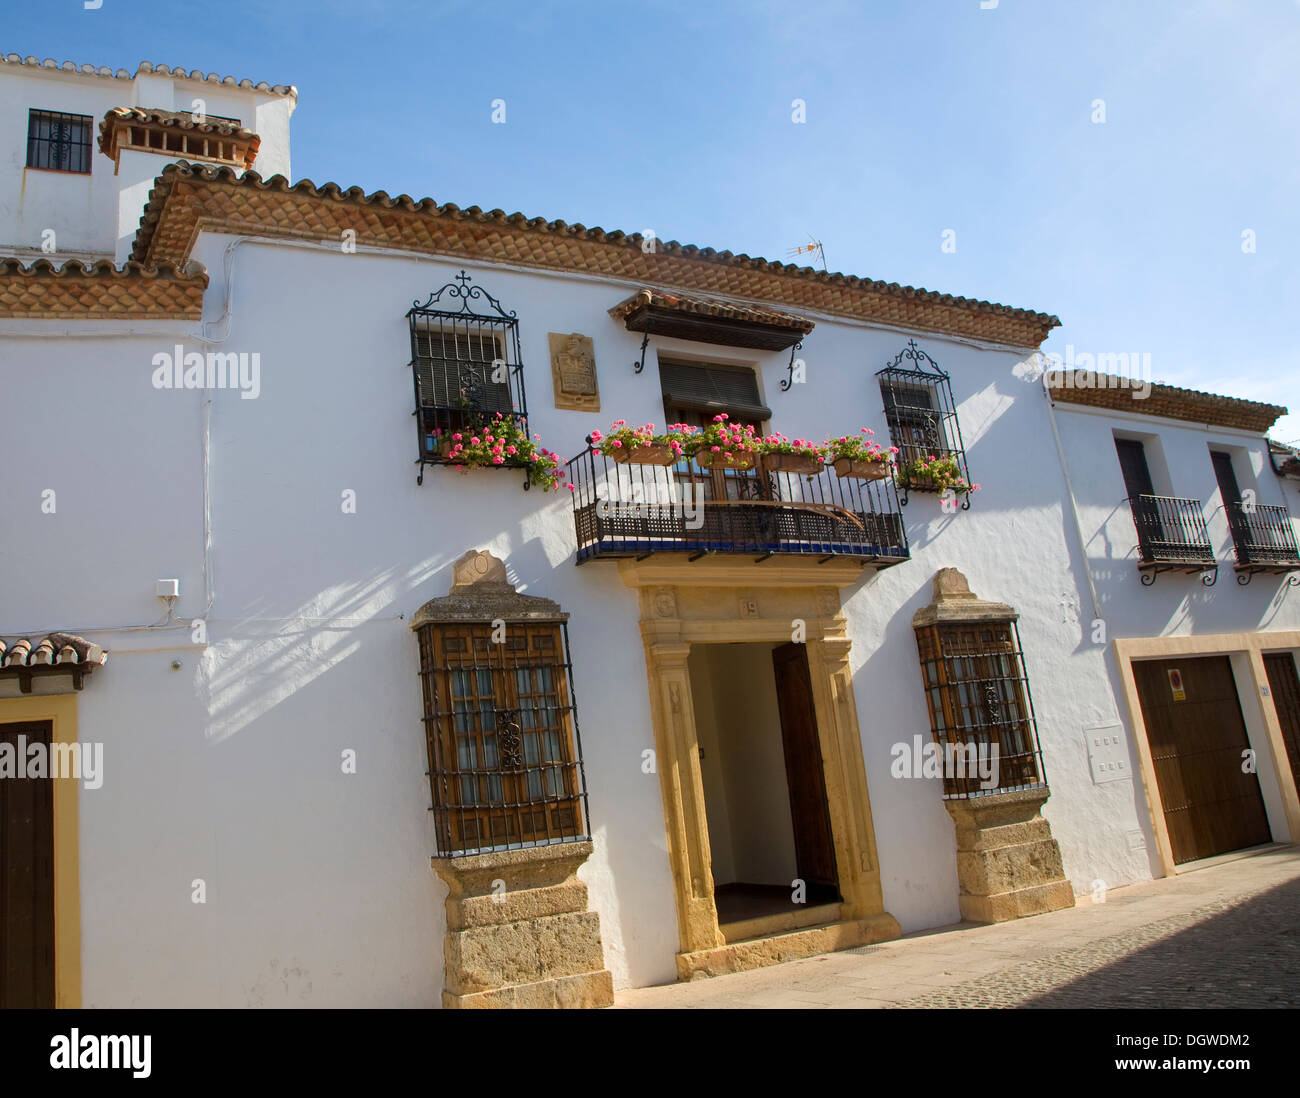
49 651
188 197
709 306
145 67
1165 401
123 126
101 290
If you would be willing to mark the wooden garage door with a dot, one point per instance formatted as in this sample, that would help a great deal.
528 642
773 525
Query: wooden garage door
26 880
1284 685
1197 737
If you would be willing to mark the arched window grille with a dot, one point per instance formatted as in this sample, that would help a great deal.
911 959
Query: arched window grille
922 420
467 367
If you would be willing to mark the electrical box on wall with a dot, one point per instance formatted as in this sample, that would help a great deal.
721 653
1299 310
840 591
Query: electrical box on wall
168 589
1108 753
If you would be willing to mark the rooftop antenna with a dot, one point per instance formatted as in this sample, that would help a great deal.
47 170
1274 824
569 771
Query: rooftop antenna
813 246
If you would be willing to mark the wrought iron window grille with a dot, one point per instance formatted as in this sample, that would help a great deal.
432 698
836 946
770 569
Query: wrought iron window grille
58 141
977 693
922 418
501 727
467 369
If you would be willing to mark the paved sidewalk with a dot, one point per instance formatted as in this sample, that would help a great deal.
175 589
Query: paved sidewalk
1224 936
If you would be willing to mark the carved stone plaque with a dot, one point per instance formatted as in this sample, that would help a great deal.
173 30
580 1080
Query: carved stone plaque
573 372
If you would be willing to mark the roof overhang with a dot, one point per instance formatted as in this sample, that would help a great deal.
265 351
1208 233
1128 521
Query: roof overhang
1122 394
709 320
55 654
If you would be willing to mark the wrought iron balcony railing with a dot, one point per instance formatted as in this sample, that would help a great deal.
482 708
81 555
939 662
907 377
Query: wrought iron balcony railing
1172 538
1263 541
632 510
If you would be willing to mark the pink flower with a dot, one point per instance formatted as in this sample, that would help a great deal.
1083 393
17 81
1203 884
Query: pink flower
498 461
456 436
570 487
510 450
618 445
473 442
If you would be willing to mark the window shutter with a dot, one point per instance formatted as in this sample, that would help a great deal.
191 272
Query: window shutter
712 389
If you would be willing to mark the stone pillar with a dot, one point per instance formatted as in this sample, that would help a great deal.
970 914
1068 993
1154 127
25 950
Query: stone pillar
519 933
1008 864
682 786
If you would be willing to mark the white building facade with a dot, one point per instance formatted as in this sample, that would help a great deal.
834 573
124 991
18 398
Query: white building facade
637 745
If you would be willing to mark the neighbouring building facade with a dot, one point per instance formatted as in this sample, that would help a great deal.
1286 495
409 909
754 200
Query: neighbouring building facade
374 723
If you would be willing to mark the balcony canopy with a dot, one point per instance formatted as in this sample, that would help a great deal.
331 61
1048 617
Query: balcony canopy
711 320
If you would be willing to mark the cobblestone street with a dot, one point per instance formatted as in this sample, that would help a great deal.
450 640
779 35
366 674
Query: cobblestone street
1227 935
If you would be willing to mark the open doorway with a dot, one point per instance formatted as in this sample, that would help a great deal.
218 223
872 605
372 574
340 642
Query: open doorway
764 782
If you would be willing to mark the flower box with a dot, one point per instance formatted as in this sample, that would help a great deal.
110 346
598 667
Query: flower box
801 464
848 468
641 455
707 459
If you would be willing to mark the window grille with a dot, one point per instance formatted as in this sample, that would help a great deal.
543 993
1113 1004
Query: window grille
922 418
505 760
466 366
977 692
57 141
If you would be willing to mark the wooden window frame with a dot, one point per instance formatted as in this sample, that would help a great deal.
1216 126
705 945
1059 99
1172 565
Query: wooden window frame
505 764
959 657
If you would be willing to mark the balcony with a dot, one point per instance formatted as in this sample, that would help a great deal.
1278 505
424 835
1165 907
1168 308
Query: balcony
1172 538
629 510
1264 541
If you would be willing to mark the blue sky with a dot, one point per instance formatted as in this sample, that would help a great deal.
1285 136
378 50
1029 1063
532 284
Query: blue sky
921 117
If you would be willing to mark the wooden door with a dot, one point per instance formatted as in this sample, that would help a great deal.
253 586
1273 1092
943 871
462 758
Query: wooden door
1197 737
26 879
1231 493
813 842
1284 685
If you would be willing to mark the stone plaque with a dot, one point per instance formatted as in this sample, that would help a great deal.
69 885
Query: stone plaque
573 372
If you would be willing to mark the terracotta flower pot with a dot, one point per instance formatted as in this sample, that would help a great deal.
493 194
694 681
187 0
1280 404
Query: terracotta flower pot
849 468
707 459
802 464
640 455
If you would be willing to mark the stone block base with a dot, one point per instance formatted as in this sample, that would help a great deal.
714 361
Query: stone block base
519 933
1008 864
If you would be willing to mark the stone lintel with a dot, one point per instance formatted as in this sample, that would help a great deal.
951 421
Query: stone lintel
955 602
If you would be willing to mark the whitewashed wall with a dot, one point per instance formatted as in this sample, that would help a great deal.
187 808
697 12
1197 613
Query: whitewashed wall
319 886
1179 458
83 209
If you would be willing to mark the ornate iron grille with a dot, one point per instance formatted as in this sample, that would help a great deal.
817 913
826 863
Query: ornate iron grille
922 418
505 757
977 692
57 141
1172 537
631 510
466 366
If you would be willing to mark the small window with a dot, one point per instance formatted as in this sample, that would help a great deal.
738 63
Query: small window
503 761
58 142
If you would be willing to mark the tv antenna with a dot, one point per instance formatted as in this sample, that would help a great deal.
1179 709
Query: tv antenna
813 247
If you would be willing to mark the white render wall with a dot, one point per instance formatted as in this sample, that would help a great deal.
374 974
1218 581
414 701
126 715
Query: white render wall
83 210
1178 455
228 770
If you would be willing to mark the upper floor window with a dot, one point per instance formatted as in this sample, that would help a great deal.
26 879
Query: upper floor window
468 374
923 424
59 142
